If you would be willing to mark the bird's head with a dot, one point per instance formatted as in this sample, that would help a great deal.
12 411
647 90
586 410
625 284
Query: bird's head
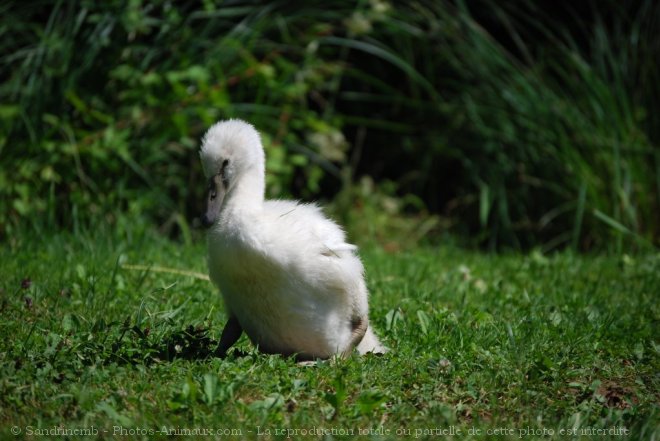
230 150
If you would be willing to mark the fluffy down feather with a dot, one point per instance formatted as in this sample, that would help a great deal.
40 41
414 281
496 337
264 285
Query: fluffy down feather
284 270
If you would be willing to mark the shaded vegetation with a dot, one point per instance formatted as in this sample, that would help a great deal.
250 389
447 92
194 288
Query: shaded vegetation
519 125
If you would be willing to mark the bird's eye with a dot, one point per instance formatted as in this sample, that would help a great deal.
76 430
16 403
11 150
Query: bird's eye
223 173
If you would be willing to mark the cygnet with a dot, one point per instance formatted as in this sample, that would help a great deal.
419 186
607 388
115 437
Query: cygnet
287 276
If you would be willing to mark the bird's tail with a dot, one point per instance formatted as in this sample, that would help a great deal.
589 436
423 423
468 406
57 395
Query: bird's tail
370 343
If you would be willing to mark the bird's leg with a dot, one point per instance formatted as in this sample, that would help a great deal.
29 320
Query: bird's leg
359 324
230 334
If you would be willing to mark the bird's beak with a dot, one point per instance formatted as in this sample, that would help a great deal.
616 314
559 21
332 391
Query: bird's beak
216 195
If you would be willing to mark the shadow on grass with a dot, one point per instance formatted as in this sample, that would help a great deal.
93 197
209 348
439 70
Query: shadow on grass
126 344
191 343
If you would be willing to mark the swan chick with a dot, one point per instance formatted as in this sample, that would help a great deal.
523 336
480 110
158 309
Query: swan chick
287 276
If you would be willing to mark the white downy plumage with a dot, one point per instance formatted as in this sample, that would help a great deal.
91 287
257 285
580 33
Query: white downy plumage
284 270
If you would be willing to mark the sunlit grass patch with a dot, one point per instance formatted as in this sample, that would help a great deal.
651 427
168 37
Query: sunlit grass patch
478 342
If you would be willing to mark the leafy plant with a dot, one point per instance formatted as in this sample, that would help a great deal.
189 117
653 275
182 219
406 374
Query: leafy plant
519 125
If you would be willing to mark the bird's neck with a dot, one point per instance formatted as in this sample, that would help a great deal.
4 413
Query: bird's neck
248 191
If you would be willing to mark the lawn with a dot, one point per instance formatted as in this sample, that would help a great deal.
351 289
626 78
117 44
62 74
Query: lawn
483 346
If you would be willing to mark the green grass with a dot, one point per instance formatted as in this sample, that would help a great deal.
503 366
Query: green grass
478 342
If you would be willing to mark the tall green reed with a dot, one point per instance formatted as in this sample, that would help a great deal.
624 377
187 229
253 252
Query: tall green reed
520 130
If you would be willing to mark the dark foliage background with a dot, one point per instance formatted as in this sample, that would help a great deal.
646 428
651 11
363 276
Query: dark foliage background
507 124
